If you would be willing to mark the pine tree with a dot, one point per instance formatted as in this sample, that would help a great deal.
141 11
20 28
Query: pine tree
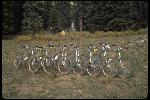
32 21
18 16
55 16
63 11
81 14
8 17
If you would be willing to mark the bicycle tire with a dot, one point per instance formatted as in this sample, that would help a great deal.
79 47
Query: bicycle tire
77 70
93 70
110 69
63 69
48 66
33 64
125 69
18 60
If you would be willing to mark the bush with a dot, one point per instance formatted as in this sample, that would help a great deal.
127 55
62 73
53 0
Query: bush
117 24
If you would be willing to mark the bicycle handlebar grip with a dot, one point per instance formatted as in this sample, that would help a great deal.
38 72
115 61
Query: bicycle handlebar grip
39 46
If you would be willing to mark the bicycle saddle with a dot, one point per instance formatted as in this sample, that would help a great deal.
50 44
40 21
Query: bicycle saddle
39 46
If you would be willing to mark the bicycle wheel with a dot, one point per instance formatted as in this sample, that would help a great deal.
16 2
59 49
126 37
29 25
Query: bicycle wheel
93 70
63 66
110 68
34 64
18 60
77 69
125 69
48 66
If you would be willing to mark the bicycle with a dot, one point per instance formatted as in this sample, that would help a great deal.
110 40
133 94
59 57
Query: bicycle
94 65
109 67
36 60
125 69
63 63
122 66
21 56
77 65
50 60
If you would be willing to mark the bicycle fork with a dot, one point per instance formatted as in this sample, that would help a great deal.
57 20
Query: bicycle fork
119 56
77 57
105 52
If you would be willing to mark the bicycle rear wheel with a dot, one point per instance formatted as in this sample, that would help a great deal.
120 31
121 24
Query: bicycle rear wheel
18 60
110 69
77 69
93 70
33 64
125 69
48 66
63 66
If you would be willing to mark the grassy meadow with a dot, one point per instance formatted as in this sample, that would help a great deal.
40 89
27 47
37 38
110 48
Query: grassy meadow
21 83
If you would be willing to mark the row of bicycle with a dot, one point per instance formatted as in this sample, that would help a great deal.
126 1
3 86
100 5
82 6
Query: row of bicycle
93 59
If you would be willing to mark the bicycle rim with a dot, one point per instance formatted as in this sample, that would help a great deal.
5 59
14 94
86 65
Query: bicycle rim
18 60
93 70
110 69
77 70
126 70
48 67
34 65
63 66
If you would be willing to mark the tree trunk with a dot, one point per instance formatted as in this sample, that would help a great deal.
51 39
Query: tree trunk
81 21
33 34
81 25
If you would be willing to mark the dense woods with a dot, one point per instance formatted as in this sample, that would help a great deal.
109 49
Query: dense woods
54 16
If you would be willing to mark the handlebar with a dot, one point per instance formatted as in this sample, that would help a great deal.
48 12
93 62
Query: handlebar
75 46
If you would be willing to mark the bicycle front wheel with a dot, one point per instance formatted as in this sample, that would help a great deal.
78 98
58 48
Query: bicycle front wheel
77 69
34 64
110 68
125 69
63 66
48 66
93 70
18 60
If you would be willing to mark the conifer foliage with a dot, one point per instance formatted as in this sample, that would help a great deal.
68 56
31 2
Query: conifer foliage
55 16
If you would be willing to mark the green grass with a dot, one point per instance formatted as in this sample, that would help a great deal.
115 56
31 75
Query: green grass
23 84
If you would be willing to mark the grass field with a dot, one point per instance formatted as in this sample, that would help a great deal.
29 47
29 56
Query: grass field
23 84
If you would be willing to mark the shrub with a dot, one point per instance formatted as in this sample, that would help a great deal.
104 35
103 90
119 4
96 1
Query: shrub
117 24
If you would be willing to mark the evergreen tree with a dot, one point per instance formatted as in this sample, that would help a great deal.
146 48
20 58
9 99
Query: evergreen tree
18 16
33 16
8 17
63 11
32 21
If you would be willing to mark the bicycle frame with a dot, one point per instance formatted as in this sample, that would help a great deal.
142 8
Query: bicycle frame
36 59
23 53
106 49
77 61
62 59
90 53
127 69
63 53
52 57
